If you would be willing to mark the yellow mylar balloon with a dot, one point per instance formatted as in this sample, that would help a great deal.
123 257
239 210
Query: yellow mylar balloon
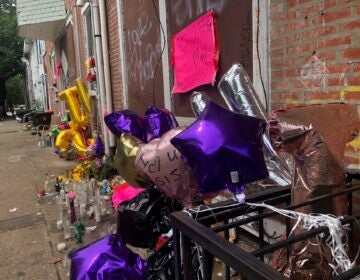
74 126
70 96
71 137
84 96
80 115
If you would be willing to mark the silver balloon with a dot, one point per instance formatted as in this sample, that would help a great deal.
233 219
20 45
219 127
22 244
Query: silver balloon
198 100
240 96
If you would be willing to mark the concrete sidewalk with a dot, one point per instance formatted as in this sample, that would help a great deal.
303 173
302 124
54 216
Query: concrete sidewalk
28 233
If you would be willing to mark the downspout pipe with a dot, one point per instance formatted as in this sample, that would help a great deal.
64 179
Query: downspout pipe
77 50
27 73
105 53
100 71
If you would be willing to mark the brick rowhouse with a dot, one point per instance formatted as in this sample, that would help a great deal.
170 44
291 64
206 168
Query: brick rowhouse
114 56
315 54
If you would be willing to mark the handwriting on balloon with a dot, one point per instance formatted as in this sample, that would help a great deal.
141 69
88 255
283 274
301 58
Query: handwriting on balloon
174 176
159 164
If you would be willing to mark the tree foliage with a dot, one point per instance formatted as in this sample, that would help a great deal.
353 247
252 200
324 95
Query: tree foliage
10 44
10 48
15 90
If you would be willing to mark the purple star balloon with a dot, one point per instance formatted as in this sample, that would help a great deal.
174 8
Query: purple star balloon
224 149
126 121
158 122
107 258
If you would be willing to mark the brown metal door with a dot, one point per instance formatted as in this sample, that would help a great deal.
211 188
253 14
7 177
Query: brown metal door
142 54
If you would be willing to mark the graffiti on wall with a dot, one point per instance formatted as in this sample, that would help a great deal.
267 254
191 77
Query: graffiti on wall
143 53
314 73
185 10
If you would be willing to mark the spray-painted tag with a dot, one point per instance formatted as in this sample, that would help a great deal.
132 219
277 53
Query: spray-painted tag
234 177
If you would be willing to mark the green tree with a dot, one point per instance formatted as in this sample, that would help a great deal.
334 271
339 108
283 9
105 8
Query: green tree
10 48
15 90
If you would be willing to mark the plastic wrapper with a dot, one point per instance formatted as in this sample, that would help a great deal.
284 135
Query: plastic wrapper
144 218
240 96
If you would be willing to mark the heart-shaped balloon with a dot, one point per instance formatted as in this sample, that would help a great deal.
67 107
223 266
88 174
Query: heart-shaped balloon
124 161
167 168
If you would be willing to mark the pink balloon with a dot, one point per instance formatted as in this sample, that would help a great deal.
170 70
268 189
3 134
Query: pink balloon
167 168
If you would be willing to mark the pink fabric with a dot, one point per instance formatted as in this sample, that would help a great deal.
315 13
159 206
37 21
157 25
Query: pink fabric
123 193
195 54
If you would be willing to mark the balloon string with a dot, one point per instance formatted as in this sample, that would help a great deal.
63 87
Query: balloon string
340 259
197 209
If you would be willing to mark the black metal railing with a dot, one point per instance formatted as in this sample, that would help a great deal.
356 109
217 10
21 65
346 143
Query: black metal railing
204 230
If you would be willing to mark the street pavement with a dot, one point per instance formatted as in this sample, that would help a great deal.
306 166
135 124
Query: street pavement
28 233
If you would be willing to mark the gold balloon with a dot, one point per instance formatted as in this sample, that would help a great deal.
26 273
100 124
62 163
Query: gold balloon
84 96
91 141
71 137
79 119
74 126
70 96
124 161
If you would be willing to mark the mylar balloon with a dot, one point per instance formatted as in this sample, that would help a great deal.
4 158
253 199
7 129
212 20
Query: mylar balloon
126 121
83 96
224 149
107 258
99 146
158 121
70 96
167 168
240 96
198 101
124 161
69 137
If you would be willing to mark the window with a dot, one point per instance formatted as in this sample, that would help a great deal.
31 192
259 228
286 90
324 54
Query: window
88 28
89 41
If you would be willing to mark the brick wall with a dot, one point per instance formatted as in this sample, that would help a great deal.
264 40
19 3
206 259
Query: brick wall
315 53
49 46
81 42
114 56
